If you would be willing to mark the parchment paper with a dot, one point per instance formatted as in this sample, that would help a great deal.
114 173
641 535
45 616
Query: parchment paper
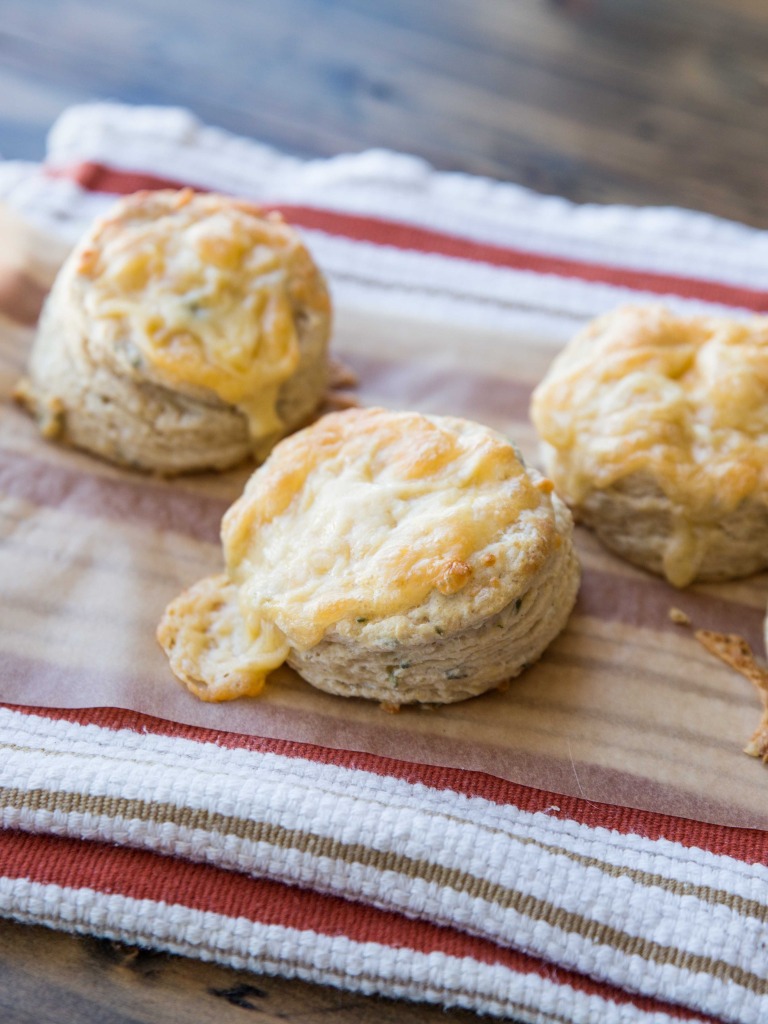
625 707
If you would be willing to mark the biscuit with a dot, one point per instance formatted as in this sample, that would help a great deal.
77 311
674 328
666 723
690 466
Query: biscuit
185 332
655 432
400 557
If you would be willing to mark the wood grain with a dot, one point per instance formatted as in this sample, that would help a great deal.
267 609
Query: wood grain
596 100
49 977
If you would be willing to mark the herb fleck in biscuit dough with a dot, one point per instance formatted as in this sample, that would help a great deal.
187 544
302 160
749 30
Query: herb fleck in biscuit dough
394 556
185 332
655 431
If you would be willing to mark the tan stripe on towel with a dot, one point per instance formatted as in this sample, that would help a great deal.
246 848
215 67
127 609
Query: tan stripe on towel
315 845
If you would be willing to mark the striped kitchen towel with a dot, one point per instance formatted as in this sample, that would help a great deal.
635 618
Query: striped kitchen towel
467 890
573 862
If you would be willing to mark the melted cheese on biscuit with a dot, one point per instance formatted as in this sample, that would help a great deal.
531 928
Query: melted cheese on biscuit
366 513
684 400
202 287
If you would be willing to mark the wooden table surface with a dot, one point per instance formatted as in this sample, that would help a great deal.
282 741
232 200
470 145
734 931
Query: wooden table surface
597 100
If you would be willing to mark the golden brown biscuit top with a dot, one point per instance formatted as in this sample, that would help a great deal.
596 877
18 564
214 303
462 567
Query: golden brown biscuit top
204 290
684 399
367 513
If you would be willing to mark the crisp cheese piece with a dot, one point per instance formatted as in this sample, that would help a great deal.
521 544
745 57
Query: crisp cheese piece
212 649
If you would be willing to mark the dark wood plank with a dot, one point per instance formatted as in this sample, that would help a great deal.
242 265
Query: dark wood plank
606 100
49 977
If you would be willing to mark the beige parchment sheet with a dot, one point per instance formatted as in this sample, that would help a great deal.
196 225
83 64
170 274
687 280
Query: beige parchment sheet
625 707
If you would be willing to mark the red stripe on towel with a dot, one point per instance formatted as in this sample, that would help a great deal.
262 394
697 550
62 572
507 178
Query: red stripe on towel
97 177
141 875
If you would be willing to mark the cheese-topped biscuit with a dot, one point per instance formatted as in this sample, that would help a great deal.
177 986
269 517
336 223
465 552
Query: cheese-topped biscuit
185 332
402 557
655 431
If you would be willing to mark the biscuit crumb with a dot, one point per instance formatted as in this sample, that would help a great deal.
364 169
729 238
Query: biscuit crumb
89 259
49 412
391 709
342 380
340 375
23 394
736 652
678 616
338 401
